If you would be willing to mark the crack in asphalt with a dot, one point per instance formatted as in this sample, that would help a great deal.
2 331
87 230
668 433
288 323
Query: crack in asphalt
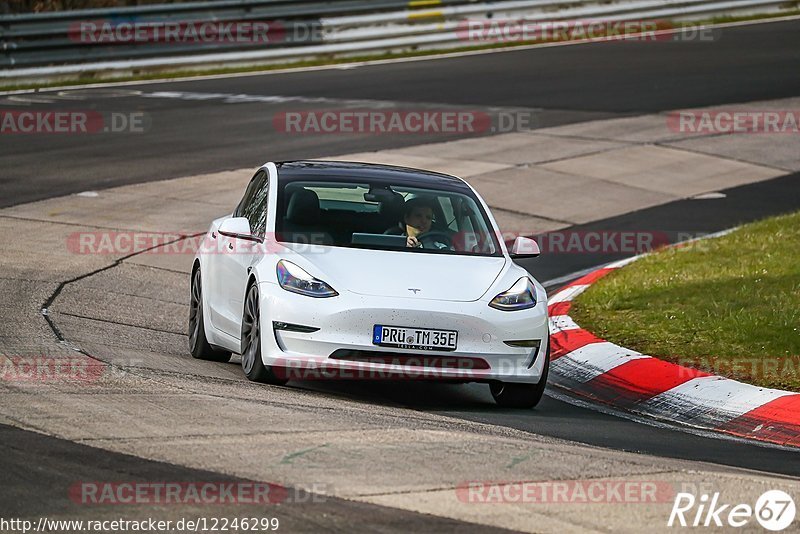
688 150
120 323
52 298
667 142
65 223
525 214
158 268
573 156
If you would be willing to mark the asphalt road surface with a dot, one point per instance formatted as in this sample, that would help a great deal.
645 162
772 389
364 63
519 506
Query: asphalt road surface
200 128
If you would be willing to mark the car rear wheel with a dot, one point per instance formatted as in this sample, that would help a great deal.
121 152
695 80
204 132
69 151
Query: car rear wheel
198 344
512 395
252 364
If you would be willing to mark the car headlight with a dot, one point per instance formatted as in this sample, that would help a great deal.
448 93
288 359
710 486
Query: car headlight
293 278
521 296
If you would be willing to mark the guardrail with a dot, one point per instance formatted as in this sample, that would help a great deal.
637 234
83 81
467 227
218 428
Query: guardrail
48 38
249 32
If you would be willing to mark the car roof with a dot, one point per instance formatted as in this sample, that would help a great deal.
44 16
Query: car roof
371 173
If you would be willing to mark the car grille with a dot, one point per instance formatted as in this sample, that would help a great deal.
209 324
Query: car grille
411 360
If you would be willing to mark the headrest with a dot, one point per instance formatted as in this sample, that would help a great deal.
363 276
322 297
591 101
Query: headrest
392 208
303 207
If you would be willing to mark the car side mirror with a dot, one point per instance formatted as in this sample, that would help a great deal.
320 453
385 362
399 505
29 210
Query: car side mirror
238 228
524 247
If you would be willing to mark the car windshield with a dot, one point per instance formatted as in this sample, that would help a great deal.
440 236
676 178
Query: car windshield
384 217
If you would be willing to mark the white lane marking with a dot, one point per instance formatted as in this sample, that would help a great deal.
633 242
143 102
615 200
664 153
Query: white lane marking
52 98
710 400
82 94
553 282
32 99
238 98
338 66
622 263
593 360
713 195
234 98
568 294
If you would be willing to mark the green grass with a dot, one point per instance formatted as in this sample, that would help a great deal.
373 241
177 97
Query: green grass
730 306
166 74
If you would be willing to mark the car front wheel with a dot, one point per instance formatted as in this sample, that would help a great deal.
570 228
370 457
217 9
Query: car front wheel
513 395
252 364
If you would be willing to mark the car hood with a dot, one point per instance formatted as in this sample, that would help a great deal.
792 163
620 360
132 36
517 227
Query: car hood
395 274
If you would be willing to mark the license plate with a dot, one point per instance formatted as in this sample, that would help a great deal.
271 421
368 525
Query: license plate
405 337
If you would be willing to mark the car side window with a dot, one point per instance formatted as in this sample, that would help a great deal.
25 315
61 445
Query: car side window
255 208
252 187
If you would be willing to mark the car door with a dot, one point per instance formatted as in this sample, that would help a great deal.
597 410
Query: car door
219 251
240 255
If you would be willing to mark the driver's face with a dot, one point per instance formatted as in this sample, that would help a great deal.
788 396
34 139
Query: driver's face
420 219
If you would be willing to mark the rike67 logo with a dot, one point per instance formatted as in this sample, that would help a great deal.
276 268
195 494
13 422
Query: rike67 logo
775 510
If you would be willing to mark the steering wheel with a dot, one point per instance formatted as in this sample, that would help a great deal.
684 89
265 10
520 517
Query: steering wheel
436 240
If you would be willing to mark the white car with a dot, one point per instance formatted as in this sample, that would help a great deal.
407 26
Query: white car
356 270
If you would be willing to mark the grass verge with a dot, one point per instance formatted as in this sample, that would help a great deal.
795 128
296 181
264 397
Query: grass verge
729 306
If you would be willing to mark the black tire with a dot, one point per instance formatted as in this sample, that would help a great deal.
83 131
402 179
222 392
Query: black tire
198 344
252 364
512 395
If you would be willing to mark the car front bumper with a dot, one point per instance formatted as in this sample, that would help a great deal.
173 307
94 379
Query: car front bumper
342 346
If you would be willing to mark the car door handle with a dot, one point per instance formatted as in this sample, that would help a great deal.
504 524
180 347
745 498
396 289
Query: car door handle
230 245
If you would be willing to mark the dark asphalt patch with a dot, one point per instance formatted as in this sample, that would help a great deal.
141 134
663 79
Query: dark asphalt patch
38 472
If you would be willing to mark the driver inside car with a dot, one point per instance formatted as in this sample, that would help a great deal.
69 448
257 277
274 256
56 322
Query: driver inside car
418 215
